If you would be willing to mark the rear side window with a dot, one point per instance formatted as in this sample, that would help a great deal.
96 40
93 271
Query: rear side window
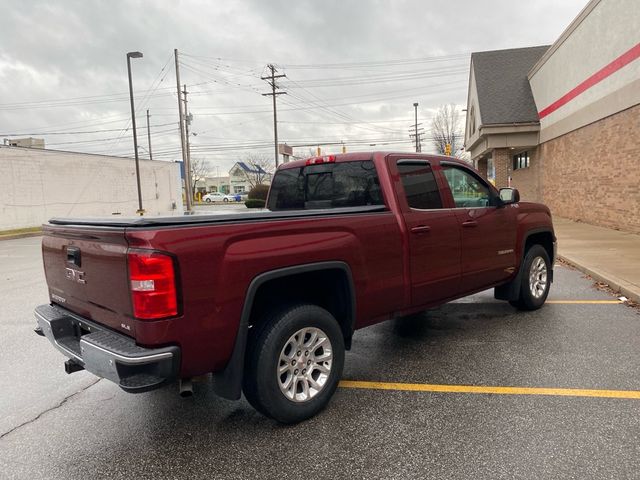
420 185
326 185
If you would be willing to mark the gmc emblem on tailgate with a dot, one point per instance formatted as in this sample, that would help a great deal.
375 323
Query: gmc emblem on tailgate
74 275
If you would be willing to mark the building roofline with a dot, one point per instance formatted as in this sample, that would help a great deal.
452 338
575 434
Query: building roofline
507 49
575 23
51 150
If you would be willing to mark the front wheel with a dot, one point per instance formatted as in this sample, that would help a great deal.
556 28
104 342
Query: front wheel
536 279
226 200
294 363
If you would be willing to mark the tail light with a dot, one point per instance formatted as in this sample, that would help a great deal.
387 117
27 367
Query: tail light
153 284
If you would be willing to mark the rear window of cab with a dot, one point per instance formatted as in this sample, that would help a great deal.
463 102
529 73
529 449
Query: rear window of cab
326 185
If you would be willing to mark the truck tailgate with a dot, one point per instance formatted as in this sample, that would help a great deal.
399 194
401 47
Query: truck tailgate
86 271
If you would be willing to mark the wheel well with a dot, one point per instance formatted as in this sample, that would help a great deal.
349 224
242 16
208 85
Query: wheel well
541 238
329 289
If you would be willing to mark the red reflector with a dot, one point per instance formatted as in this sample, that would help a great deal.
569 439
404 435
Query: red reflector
153 285
330 158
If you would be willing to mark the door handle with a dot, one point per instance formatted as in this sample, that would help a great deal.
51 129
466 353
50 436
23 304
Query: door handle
470 223
421 229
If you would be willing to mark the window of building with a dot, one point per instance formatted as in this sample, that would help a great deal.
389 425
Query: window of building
468 190
420 185
326 185
238 189
521 160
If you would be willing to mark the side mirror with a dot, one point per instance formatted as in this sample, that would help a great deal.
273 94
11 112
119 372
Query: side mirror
509 195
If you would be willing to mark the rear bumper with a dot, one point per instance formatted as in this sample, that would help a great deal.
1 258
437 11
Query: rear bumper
107 354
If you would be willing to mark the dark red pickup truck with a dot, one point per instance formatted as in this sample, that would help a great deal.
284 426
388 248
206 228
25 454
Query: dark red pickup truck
268 302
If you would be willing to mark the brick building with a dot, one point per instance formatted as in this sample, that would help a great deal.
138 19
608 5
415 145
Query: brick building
561 123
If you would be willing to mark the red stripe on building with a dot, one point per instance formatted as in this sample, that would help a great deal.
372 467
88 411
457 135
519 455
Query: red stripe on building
624 59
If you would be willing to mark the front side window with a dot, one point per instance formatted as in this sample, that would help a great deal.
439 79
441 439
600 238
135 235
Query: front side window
468 191
325 185
420 185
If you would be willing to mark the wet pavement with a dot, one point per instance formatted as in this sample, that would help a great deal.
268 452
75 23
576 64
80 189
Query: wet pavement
55 425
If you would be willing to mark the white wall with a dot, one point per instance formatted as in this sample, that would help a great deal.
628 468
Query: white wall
601 33
36 185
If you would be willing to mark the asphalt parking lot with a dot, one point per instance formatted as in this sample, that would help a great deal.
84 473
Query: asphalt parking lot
473 389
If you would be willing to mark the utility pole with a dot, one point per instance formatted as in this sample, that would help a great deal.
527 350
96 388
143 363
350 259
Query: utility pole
187 122
185 159
417 132
149 136
271 80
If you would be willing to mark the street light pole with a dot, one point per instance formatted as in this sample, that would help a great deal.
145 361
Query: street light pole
131 55
415 106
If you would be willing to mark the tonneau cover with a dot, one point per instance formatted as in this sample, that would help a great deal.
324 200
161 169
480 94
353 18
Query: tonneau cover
198 219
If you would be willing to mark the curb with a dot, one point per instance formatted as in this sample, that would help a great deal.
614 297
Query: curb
20 235
630 294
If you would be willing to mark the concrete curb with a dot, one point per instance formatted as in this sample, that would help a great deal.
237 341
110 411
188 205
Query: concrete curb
20 235
604 278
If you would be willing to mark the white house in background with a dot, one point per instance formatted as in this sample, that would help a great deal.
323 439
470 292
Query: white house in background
242 177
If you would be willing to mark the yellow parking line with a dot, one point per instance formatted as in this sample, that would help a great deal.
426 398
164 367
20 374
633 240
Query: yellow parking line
590 302
426 387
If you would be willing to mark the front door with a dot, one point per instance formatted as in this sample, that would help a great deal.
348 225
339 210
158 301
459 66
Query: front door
488 231
433 231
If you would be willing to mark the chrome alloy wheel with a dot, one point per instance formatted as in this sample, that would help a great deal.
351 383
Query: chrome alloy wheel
305 364
538 277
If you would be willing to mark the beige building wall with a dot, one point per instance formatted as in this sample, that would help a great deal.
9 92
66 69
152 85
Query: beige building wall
604 32
472 127
36 185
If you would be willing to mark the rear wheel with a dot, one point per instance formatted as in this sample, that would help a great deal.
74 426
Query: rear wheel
208 200
226 200
294 363
536 279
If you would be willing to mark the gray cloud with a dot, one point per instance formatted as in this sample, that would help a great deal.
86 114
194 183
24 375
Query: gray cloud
74 52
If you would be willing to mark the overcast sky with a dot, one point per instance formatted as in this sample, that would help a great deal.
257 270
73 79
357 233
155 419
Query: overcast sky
354 69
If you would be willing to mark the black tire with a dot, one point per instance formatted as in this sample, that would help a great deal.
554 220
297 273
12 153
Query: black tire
225 199
261 383
208 200
527 300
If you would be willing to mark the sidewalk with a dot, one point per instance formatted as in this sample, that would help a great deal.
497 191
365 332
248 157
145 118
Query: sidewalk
607 255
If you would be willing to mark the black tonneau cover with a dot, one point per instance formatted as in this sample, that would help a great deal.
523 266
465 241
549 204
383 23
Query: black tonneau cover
178 220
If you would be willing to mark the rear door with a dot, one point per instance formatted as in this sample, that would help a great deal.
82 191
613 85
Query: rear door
488 231
87 273
433 232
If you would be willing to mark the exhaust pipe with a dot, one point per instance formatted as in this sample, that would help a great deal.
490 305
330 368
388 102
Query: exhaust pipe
185 388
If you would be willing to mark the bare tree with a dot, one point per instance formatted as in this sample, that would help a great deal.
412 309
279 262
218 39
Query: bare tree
261 166
445 129
200 169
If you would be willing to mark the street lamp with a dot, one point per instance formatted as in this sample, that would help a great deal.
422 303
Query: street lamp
415 106
131 55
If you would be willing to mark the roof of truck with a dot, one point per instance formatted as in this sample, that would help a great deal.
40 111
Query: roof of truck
363 156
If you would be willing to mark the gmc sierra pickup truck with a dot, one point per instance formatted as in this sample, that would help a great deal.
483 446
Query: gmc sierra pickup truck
268 302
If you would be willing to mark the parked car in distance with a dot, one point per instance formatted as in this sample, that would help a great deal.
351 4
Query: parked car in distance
218 197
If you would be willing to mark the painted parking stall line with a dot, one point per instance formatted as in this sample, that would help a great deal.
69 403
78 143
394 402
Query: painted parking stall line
586 302
492 390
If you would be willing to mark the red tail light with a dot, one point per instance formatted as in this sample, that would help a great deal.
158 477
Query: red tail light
153 285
